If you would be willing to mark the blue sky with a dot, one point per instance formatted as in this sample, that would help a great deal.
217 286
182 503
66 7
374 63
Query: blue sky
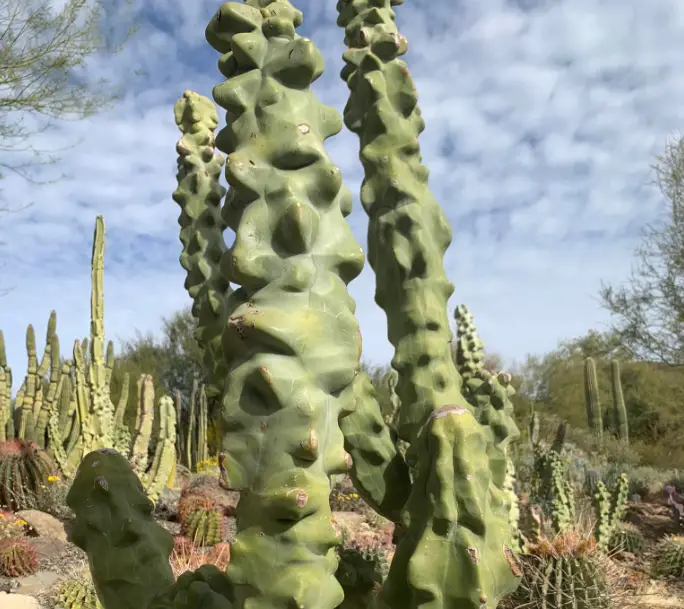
543 118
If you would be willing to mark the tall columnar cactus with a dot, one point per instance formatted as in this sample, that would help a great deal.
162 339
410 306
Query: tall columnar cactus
591 398
619 409
199 195
66 407
192 443
457 517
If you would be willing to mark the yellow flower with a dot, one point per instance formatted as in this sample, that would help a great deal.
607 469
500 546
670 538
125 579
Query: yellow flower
2 515
20 522
53 478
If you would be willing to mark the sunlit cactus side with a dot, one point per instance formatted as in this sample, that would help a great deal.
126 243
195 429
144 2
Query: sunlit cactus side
6 406
457 517
619 408
592 401
199 196
205 527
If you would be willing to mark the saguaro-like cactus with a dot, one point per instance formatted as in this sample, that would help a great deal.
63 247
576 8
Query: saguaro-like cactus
591 398
619 409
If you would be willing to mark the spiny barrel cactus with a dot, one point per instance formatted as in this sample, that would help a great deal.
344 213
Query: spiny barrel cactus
296 409
627 538
669 557
205 527
18 557
78 594
24 472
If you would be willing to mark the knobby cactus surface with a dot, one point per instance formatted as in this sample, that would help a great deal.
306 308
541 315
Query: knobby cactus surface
284 347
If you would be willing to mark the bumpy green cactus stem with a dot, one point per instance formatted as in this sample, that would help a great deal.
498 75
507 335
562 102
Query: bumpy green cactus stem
619 408
591 397
127 549
199 195
457 551
291 342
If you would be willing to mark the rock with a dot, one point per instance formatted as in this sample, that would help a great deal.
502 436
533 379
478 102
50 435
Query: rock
207 485
44 525
18 601
38 583
167 504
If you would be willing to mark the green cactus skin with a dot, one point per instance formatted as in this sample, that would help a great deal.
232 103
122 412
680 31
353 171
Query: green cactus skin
379 471
127 550
208 588
192 433
456 519
534 429
199 196
610 507
619 408
627 538
291 342
591 397
76 594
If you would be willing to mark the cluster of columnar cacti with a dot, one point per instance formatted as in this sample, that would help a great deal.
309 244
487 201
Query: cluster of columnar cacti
593 404
610 508
191 428
296 409
66 407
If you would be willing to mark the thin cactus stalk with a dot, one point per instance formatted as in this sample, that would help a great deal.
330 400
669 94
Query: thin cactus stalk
6 408
592 401
619 408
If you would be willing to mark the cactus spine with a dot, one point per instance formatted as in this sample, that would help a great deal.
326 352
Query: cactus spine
619 409
591 398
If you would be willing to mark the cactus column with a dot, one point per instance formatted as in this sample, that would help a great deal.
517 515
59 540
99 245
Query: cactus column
457 550
591 397
619 409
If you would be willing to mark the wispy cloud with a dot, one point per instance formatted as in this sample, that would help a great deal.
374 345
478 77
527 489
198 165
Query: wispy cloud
543 117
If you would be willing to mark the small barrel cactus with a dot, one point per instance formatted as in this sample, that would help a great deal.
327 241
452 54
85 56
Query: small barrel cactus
669 557
18 557
24 470
565 571
204 527
627 538
191 502
78 594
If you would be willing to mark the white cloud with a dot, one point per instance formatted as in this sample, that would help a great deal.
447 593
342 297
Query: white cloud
542 120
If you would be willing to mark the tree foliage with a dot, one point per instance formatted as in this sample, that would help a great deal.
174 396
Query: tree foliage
648 311
43 51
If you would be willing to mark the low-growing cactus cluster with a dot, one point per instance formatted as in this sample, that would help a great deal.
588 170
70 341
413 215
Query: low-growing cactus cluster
78 594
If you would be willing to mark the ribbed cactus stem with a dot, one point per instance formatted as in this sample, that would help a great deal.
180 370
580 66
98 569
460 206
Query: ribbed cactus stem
619 408
190 438
202 453
591 397
144 422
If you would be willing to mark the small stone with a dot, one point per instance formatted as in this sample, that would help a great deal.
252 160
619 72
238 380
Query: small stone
18 601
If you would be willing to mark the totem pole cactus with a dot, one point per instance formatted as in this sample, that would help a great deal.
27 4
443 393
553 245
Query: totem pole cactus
591 397
619 409
192 429
296 409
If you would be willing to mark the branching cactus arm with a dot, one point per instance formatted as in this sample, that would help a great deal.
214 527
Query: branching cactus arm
379 471
127 549
457 551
